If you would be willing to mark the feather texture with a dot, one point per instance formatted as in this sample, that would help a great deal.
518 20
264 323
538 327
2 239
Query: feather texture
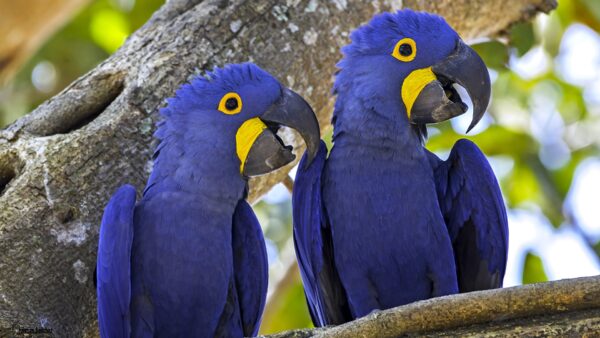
189 259
382 222
314 248
113 270
250 264
474 212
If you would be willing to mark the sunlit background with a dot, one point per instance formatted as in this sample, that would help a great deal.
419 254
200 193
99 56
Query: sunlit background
542 136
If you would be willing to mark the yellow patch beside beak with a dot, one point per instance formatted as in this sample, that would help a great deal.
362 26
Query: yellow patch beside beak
414 84
245 137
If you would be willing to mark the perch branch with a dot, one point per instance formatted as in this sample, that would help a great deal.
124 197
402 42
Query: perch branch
571 305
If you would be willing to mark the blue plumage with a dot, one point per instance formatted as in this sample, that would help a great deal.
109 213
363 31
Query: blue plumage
249 275
382 222
188 259
113 269
474 212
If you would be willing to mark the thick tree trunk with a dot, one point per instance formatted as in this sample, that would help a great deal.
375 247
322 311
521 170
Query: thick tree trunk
60 164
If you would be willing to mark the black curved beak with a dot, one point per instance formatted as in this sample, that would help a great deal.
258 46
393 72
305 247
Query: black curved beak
268 152
439 101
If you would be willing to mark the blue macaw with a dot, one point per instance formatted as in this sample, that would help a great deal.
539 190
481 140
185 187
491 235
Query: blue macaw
188 259
382 222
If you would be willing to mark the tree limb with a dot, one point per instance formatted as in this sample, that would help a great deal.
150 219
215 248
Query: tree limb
566 306
60 164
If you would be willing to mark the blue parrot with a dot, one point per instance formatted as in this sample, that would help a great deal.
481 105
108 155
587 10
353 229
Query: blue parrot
188 259
381 221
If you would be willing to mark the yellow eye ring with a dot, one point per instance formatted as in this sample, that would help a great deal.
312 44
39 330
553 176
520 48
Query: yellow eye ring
405 50
230 104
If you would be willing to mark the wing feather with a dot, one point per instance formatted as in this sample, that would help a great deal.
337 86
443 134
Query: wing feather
472 205
113 266
324 292
251 268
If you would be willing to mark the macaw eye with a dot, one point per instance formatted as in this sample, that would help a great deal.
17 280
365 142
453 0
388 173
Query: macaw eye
405 50
230 104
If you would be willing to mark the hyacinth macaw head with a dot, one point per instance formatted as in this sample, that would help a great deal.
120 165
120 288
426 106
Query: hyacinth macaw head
411 60
235 112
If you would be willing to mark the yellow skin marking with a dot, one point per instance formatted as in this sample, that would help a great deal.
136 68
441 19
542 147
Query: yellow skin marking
245 137
223 109
414 84
396 52
416 80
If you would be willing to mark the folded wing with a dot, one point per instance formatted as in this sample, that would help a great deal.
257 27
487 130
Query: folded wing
471 202
251 268
324 292
113 267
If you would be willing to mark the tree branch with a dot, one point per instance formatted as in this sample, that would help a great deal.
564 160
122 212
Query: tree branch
566 306
60 164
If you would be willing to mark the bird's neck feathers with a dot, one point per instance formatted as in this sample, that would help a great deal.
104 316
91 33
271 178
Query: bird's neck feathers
369 109
197 159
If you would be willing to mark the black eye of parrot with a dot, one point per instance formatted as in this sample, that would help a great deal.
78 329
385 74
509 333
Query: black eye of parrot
405 49
231 103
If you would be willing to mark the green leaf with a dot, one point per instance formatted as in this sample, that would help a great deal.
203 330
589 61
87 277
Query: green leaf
522 37
533 269
493 53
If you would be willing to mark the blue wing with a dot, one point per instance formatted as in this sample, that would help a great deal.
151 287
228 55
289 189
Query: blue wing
114 264
324 292
471 202
251 268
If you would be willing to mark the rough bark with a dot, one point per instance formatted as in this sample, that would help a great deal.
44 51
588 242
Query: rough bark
562 308
26 25
60 163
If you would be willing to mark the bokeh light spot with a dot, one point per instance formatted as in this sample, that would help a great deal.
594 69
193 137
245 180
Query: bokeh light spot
109 29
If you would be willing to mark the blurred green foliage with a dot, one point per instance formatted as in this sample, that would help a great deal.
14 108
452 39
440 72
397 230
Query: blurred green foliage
96 32
291 311
522 38
540 168
533 269
532 183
